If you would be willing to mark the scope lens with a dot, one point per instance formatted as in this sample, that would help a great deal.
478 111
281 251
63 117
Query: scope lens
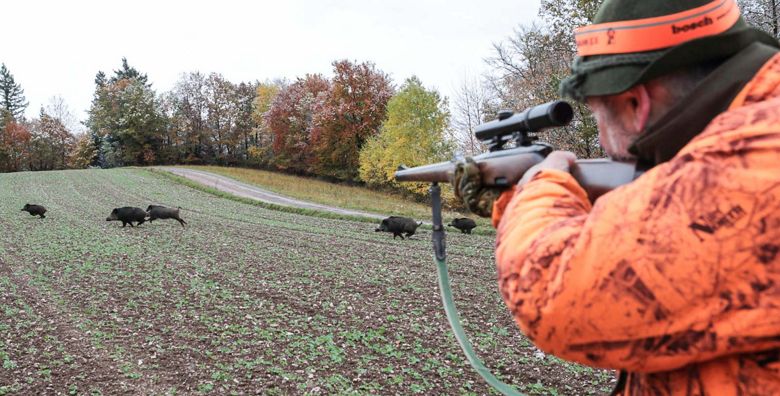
561 112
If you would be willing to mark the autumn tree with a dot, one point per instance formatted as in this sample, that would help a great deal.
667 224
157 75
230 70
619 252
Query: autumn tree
84 152
13 134
171 149
187 109
528 67
352 112
412 134
59 109
208 120
55 128
6 118
290 121
245 125
563 16
12 100
125 118
50 143
472 105
221 116
14 146
265 93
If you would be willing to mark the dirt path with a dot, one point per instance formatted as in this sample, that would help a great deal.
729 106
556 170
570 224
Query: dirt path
244 190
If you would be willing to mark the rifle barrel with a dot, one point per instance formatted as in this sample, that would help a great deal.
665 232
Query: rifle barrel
434 173
513 160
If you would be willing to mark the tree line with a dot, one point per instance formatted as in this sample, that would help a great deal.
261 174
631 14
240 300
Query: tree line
336 127
356 125
314 125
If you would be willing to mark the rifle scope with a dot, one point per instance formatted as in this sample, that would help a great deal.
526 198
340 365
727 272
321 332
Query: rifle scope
533 119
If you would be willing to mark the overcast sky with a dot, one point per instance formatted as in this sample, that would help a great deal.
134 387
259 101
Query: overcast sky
56 47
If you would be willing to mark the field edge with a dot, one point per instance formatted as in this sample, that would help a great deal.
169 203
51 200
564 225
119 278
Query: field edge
265 205
161 172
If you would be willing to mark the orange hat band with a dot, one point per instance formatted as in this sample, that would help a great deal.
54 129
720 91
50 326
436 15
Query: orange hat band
651 34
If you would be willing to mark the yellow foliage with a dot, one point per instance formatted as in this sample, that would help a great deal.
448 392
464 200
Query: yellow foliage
412 135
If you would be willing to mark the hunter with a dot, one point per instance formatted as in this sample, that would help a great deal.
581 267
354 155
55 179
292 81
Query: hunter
673 279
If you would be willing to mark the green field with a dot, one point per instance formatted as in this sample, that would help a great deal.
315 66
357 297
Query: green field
245 300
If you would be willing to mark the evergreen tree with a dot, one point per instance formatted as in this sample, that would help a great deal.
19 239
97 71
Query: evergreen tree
100 79
127 73
12 97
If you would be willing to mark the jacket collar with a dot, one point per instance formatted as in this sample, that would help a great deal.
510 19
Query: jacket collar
712 96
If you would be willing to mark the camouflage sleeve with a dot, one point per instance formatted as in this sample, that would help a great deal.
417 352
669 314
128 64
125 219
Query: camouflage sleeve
500 204
656 275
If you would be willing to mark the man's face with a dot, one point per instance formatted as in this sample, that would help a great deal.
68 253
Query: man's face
617 127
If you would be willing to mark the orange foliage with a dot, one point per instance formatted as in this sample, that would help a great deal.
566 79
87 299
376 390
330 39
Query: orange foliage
14 146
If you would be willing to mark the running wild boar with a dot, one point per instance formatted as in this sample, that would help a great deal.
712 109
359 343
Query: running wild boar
34 210
398 226
464 224
127 215
161 212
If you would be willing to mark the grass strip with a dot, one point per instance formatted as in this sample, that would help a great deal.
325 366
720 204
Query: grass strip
323 192
488 231
249 201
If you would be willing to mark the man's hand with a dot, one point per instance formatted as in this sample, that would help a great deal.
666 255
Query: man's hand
557 160
467 183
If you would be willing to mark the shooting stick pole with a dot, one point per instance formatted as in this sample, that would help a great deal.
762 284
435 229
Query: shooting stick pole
439 247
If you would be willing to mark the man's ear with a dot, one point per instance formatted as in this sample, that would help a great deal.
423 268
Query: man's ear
639 105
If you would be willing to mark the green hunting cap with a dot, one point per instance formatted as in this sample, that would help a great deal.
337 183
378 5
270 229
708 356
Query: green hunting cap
632 42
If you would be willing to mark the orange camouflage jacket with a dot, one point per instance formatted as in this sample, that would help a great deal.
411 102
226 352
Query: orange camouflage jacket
674 278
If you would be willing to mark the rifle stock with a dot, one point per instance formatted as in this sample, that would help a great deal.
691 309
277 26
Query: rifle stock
600 176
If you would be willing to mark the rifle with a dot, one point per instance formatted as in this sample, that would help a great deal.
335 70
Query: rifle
503 167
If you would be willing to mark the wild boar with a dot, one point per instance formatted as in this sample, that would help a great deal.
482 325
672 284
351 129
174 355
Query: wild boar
127 215
464 224
161 212
34 210
398 226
